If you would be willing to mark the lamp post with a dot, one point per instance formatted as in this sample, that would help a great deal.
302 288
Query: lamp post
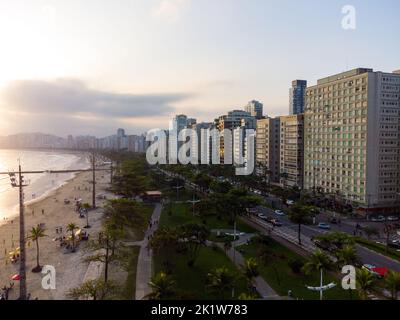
322 287
177 190
193 202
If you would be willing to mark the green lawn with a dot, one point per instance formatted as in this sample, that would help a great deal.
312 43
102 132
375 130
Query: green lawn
281 278
182 213
191 281
128 292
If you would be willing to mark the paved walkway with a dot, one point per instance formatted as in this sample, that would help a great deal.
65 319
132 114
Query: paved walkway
262 287
144 266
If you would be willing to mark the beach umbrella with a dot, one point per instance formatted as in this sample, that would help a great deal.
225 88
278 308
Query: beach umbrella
16 277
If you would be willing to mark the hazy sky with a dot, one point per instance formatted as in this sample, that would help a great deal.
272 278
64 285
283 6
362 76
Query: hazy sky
90 66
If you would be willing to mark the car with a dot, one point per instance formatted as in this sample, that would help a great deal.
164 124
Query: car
262 216
325 245
377 272
394 244
378 219
289 202
323 225
279 212
276 223
393 218
334 221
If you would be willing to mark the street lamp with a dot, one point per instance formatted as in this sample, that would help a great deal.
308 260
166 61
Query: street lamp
177 190
193 202
322 287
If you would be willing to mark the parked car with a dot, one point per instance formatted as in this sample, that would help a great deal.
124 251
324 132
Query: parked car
394 244
378 219
279 212
334 221
377 272
323 225
289 202
393 218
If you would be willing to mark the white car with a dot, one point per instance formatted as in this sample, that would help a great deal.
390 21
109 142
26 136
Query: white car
262 216
289 202
279 212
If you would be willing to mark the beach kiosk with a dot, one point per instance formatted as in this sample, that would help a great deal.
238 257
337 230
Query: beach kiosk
152 196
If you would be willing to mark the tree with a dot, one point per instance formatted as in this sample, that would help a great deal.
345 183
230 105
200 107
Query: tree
164 242
319 260
126 213
392 282
193 235
71 228
104 247
220 281
35 234
300 215
162 287
347 256
92 289
388 230
365 282
250 270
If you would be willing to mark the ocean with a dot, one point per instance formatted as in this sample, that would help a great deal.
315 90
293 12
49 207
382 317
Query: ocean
38 184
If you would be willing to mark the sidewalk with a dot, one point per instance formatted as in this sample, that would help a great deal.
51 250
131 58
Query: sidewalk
144 266
263 288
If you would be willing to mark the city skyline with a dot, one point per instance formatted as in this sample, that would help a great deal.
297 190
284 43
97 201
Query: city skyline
89 71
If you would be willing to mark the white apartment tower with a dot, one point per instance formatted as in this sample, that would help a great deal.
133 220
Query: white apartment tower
352 138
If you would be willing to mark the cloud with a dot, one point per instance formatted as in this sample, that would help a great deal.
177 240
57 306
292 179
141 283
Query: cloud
68 104
170 10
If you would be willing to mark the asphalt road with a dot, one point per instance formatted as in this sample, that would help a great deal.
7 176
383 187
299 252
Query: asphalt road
367 256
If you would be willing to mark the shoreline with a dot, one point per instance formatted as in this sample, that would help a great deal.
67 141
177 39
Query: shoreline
80 162
51 211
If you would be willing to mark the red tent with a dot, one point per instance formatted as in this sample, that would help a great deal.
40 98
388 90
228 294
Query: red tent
381 271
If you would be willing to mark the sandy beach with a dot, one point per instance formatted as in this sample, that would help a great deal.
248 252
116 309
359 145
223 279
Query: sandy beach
53 213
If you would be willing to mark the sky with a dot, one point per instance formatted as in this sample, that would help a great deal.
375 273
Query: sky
89 67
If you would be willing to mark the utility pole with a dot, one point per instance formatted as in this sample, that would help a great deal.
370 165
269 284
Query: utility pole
177 190
111 173
94 181
22 264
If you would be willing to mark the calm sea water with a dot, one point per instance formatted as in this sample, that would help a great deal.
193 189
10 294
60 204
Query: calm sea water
38 184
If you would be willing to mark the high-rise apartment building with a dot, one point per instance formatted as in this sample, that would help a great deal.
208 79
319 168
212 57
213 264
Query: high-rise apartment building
291 150
352 144
255 109
267 148
297 95
234 119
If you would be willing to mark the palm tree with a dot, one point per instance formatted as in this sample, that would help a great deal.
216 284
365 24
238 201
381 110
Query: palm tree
300 215
35 235
347 256
71 228
319 261
87 207
220 281
162 286
365 282
250 269
392 282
